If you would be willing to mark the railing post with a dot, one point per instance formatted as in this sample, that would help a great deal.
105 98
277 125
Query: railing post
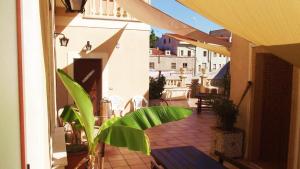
115 8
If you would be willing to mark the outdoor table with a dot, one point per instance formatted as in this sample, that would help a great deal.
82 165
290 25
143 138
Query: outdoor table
187 157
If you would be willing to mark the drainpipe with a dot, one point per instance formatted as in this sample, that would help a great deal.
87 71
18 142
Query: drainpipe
195 65
209 60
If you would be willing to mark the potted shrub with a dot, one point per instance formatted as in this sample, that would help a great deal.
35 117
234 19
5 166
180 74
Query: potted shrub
156 87
227 140
227 113
74 146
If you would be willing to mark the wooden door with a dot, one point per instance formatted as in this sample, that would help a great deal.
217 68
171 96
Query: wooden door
87 72
275 112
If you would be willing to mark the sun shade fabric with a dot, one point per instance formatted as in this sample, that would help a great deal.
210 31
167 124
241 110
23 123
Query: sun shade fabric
262 22
154 17
211 47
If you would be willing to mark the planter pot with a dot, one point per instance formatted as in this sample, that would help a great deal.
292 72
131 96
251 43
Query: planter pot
76 4
229 143
75 153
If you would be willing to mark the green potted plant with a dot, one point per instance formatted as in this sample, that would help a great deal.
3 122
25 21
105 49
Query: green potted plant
76 149
69 119
227 140
127 131
227 113
156 87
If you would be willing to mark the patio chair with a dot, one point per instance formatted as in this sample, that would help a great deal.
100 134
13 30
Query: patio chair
138 102
116 105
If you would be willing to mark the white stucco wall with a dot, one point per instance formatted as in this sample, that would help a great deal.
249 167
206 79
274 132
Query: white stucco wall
10 157
163 63
35 94
125 70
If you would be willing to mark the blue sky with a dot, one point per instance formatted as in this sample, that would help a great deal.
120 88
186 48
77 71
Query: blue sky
180 12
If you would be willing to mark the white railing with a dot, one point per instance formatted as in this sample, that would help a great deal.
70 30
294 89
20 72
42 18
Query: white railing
172 83
106 9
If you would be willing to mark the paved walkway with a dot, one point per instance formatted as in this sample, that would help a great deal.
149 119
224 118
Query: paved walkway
195 130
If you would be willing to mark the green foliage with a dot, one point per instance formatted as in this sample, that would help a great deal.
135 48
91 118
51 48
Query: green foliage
68 116
156 87
227 113
127 131
153 39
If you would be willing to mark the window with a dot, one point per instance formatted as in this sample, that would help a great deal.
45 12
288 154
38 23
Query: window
151 65
169 40
189 53
204 65
173 65
199 68
220 65
214 66
165 41
181 53
184 65
204 53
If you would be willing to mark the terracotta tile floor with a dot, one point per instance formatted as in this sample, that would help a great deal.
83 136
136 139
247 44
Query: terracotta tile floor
195 130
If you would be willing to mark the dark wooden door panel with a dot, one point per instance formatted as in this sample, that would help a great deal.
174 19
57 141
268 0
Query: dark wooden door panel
276 108
87 72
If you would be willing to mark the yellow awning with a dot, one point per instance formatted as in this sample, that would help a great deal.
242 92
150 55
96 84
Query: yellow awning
274 22
211 47
152 16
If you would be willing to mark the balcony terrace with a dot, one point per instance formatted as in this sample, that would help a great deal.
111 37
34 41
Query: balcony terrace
107 9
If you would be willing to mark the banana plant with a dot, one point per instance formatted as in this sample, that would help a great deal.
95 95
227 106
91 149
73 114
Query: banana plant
127 131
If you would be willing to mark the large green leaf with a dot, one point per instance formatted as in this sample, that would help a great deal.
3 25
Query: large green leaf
148 117
128 131
124 136
83 103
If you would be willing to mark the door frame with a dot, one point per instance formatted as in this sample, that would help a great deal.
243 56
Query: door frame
253 144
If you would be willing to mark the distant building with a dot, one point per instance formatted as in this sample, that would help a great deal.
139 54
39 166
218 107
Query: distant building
166 61
208 60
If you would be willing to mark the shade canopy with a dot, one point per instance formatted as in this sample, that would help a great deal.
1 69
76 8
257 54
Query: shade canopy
262 22
152 16
220 73
211 47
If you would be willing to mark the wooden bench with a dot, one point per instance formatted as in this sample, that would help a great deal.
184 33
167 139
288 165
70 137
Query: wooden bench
187 157
205 101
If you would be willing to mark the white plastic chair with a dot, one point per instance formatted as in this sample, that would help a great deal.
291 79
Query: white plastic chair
116 105
138 102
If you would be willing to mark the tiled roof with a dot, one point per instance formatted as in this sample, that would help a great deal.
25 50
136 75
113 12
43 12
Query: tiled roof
156 51
221 34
